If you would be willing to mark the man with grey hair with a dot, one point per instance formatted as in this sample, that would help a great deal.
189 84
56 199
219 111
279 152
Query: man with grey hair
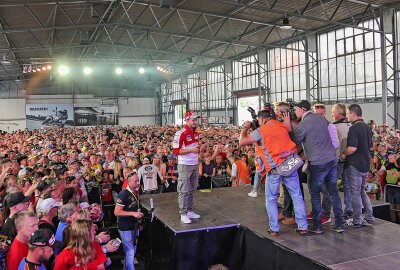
67 213
26 223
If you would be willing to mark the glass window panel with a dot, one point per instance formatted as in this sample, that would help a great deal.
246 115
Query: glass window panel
359 43
349 45
369 40
340 47
360 91
370 89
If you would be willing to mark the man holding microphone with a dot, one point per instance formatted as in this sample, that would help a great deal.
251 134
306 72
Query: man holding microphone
186 147
129 213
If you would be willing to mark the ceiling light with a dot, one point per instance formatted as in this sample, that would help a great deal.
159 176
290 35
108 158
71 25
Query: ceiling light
285 22
141 70
87 71
63 70
44 68
49 67
158 68
118 71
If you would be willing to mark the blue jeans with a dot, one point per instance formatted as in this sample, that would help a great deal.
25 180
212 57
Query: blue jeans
271 193
359 196
257 180
128 242
346 190
319 175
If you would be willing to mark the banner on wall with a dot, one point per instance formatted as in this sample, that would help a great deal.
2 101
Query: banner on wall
49 115
102 115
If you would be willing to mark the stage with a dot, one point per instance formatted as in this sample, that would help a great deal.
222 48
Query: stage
232 231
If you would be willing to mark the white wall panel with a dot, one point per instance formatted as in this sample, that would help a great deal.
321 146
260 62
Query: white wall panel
12 114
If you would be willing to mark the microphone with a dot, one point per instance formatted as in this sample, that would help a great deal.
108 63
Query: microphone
151 205
151 209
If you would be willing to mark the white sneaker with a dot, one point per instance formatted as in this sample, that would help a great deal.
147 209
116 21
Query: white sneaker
185 219
253 194
192 214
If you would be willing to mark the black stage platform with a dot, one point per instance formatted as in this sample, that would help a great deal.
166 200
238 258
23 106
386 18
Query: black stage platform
232 231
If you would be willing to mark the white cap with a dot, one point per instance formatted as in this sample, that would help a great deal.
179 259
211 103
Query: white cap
130 154
47 205
84 205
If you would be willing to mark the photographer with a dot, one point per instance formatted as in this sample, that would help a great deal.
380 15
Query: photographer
128 211
274 146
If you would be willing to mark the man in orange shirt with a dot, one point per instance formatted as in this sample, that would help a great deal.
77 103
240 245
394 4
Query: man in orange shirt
273 146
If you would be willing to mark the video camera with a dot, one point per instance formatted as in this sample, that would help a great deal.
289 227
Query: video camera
267 107
292 112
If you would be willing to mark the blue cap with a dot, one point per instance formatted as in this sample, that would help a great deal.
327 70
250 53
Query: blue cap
170 156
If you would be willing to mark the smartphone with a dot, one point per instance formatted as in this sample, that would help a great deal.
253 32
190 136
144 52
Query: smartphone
117 242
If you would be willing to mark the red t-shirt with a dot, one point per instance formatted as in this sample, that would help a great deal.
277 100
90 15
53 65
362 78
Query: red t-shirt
124 184
66 259
18 251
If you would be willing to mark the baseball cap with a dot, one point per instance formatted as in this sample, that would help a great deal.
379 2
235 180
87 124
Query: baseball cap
47 205
146 159
191 115
45 183
16 198
170 156
42 238
130 154
20 158
304 104
84 205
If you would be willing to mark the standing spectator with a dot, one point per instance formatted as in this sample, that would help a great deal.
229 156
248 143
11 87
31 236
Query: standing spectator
206 170
240 172
313 133
82 251
342 126
357 165
17 203
171 174
26 224
128 212
186 147
274 146
150 177
157 161
40 250
47 211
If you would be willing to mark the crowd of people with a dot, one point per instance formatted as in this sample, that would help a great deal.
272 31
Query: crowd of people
58 185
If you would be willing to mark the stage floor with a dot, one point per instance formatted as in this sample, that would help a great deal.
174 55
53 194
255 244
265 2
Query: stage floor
356 248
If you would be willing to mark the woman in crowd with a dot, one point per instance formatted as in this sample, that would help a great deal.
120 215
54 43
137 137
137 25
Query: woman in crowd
82 251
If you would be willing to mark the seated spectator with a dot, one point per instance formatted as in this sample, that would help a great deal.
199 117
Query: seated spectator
40 250
26 224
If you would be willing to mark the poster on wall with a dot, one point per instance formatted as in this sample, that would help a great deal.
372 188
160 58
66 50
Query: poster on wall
102 115
49 115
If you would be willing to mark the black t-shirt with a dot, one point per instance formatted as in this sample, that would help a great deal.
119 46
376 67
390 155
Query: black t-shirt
9 228
130 203
360 137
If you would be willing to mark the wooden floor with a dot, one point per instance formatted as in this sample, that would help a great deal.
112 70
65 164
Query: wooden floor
362 248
